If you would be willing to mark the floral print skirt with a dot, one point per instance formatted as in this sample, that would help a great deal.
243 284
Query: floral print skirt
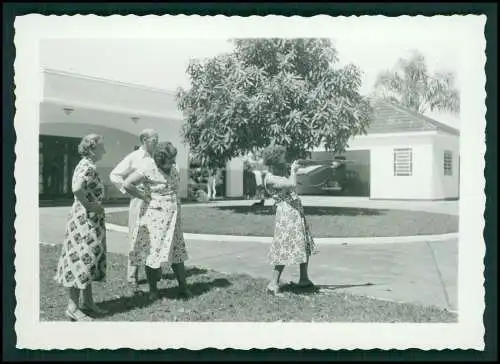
83 255
292 242
157 238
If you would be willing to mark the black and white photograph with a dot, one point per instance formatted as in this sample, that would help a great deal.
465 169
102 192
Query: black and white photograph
258 182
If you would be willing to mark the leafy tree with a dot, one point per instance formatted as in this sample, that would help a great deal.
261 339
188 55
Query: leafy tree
282 91
410 84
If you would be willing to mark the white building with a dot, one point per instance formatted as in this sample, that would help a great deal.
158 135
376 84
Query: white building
404 155
74 105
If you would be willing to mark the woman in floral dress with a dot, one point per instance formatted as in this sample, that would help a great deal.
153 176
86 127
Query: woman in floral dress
157 237
292 242
83 255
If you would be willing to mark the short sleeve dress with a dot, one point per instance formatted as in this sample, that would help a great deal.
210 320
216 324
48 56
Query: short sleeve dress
157 237
83 254
293 242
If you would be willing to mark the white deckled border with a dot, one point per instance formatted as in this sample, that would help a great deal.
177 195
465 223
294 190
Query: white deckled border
31 334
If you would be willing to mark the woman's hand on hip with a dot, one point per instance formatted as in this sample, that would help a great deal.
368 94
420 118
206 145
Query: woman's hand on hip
146 198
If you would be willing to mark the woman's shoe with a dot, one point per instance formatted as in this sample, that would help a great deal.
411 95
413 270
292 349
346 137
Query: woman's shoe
273 289
77 315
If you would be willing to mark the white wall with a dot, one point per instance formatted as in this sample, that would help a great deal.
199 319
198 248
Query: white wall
117 144
234 178
446 187
384 185
107 108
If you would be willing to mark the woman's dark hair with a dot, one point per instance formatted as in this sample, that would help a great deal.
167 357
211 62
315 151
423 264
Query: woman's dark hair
273 155
164 151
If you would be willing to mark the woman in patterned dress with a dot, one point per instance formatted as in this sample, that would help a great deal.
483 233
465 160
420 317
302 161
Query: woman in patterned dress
157 237
83 255
292 242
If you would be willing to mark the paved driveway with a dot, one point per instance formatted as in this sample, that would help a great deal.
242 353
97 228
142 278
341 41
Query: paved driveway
422 272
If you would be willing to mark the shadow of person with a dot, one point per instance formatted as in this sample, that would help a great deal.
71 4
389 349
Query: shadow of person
129 303
190 272
297 289
169 274
196 288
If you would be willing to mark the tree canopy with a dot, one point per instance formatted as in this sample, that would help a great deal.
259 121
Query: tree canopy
282 91
410 84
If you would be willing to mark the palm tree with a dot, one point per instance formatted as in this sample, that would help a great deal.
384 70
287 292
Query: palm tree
410 84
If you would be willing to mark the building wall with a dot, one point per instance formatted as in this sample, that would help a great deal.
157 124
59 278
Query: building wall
384 185
446 187
234 178
106 108
117 144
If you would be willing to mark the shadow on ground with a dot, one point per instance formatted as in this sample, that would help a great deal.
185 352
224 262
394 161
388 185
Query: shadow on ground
169 275
294 288
309 210
128 303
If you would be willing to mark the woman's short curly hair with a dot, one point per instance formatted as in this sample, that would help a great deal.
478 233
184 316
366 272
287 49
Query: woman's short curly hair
88 144
273 155
164 151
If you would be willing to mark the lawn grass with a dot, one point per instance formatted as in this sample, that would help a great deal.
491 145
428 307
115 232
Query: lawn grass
221 297
326 222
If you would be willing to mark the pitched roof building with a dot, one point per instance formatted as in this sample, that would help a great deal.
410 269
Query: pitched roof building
392 118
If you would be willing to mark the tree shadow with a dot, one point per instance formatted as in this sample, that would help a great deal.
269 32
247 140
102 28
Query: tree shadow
308 210
128 303
296 289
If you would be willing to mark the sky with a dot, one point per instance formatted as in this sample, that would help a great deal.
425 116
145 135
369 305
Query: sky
161 63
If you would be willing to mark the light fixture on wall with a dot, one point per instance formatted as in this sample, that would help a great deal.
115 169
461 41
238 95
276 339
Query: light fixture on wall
68 110
135 119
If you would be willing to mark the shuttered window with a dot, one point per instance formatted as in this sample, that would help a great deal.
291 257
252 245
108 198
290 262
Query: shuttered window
447 163
403 164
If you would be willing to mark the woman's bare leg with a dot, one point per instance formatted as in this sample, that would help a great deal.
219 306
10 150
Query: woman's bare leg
73 312
180 273
152 277
304 275
74 297
88 301
274 285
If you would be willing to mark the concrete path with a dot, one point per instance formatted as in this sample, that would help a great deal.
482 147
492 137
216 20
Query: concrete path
419 272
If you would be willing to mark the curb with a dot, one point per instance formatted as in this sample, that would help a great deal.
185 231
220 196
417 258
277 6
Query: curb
319 241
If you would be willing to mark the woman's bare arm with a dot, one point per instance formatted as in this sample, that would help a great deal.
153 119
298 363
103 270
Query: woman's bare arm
80 195
281 182
130 185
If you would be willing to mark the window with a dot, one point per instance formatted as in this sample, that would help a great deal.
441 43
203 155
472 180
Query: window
447 163
403 162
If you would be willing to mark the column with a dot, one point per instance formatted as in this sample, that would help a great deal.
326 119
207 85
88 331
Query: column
234 178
